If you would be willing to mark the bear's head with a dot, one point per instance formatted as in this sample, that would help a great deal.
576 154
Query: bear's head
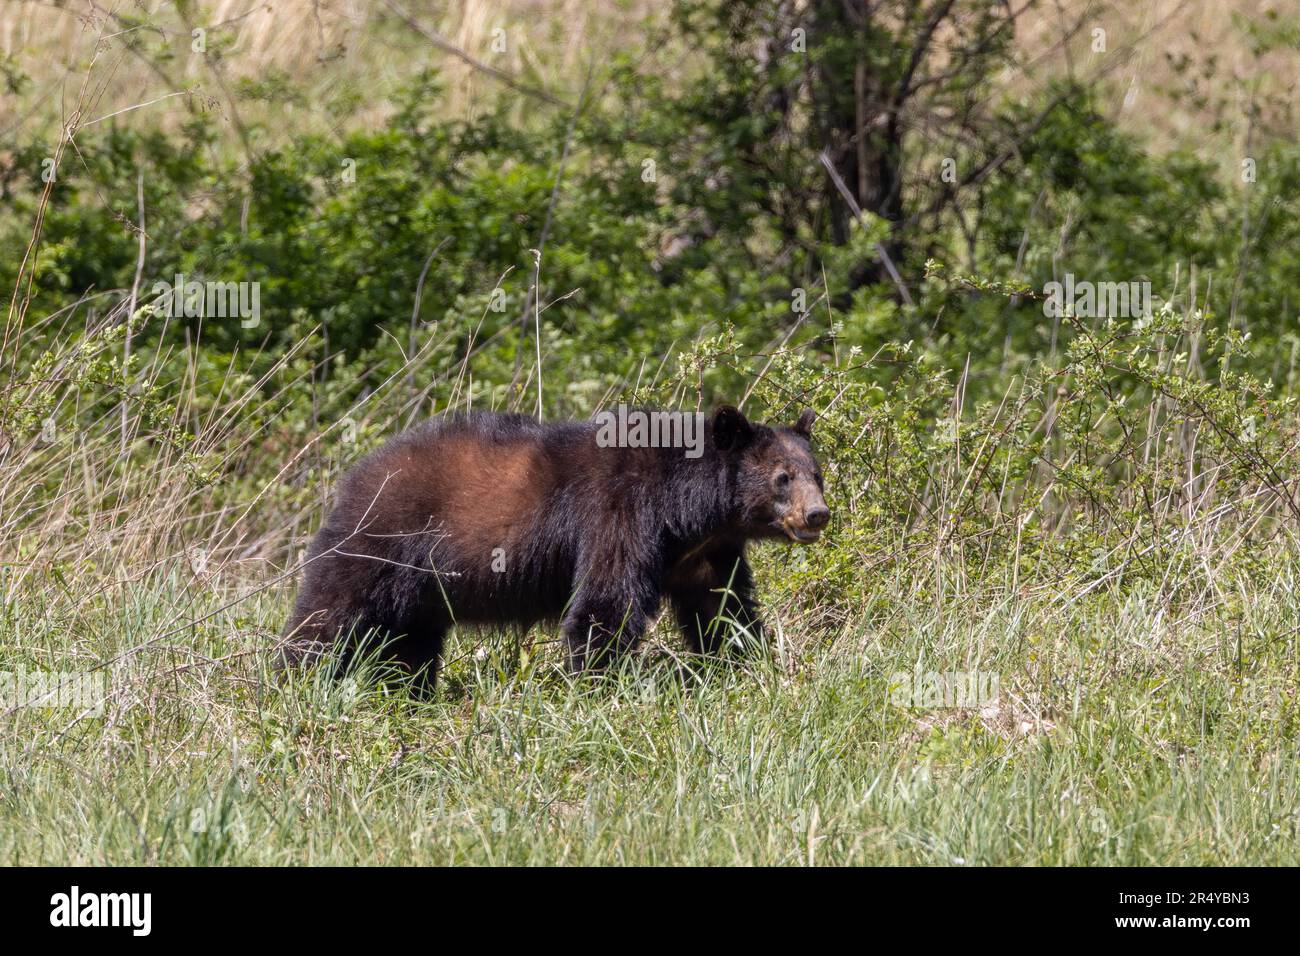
778 481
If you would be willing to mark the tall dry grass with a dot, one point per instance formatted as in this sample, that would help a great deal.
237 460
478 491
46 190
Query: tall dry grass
363 47
345 56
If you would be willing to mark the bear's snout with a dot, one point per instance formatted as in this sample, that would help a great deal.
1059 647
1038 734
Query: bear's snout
807 515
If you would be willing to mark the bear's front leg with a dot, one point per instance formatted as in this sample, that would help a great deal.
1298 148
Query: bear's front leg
608 616
713 596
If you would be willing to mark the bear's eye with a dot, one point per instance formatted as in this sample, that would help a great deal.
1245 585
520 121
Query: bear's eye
817 477
782 481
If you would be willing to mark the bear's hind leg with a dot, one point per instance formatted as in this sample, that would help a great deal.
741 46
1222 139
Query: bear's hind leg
420 653
312 634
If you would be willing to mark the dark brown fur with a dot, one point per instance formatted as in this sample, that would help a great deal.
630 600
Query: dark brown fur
497 519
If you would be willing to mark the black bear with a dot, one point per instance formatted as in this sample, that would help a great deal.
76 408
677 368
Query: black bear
498 519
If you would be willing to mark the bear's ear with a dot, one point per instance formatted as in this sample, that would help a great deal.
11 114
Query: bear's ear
805 423
731 429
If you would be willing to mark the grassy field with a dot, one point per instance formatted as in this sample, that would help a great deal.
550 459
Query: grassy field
1123 732
1122 718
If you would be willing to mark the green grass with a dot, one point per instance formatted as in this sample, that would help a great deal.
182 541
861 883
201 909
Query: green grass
1126 731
